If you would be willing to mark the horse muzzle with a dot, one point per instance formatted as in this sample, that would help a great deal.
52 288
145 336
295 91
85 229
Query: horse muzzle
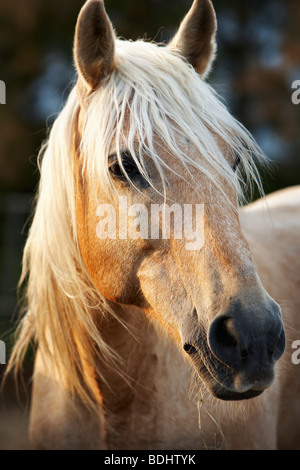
236 357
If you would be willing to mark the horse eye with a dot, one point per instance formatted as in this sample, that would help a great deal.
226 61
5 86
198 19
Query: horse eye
236 163
128 166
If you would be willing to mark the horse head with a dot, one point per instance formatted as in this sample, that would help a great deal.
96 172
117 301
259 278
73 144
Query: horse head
157 134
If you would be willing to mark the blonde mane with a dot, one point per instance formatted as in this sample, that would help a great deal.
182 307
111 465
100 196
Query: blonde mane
168 99
165 98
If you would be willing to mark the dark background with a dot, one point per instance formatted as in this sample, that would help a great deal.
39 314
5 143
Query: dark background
258 60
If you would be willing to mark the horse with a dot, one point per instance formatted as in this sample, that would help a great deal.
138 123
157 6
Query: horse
153 342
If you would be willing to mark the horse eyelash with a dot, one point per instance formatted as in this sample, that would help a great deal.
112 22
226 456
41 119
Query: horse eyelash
124 175
236 163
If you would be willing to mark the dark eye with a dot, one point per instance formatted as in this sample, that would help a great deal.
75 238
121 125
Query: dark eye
236 163
128 166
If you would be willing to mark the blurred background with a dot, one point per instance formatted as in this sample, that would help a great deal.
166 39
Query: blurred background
258 60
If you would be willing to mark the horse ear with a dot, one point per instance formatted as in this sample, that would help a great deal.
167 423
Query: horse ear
94 44
195 39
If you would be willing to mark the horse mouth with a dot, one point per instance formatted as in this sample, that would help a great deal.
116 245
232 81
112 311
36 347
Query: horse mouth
221 389
222 393
221 380
227 395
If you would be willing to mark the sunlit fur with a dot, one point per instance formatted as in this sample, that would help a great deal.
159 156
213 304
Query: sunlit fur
166 98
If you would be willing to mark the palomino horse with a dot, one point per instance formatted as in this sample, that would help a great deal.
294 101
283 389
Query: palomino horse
153 342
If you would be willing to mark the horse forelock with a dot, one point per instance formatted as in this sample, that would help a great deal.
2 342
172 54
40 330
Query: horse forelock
153 94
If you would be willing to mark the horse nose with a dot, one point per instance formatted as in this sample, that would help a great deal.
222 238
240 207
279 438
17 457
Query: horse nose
246 341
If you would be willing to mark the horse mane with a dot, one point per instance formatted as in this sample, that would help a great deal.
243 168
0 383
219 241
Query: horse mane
165 98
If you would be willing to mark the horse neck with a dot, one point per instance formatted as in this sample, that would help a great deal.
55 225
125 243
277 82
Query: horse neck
131 336
151 366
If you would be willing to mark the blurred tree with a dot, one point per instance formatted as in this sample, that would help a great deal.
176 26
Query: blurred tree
258 59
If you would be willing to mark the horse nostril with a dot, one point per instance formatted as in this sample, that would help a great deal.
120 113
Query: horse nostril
226 334
239 343
189 349
226 342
